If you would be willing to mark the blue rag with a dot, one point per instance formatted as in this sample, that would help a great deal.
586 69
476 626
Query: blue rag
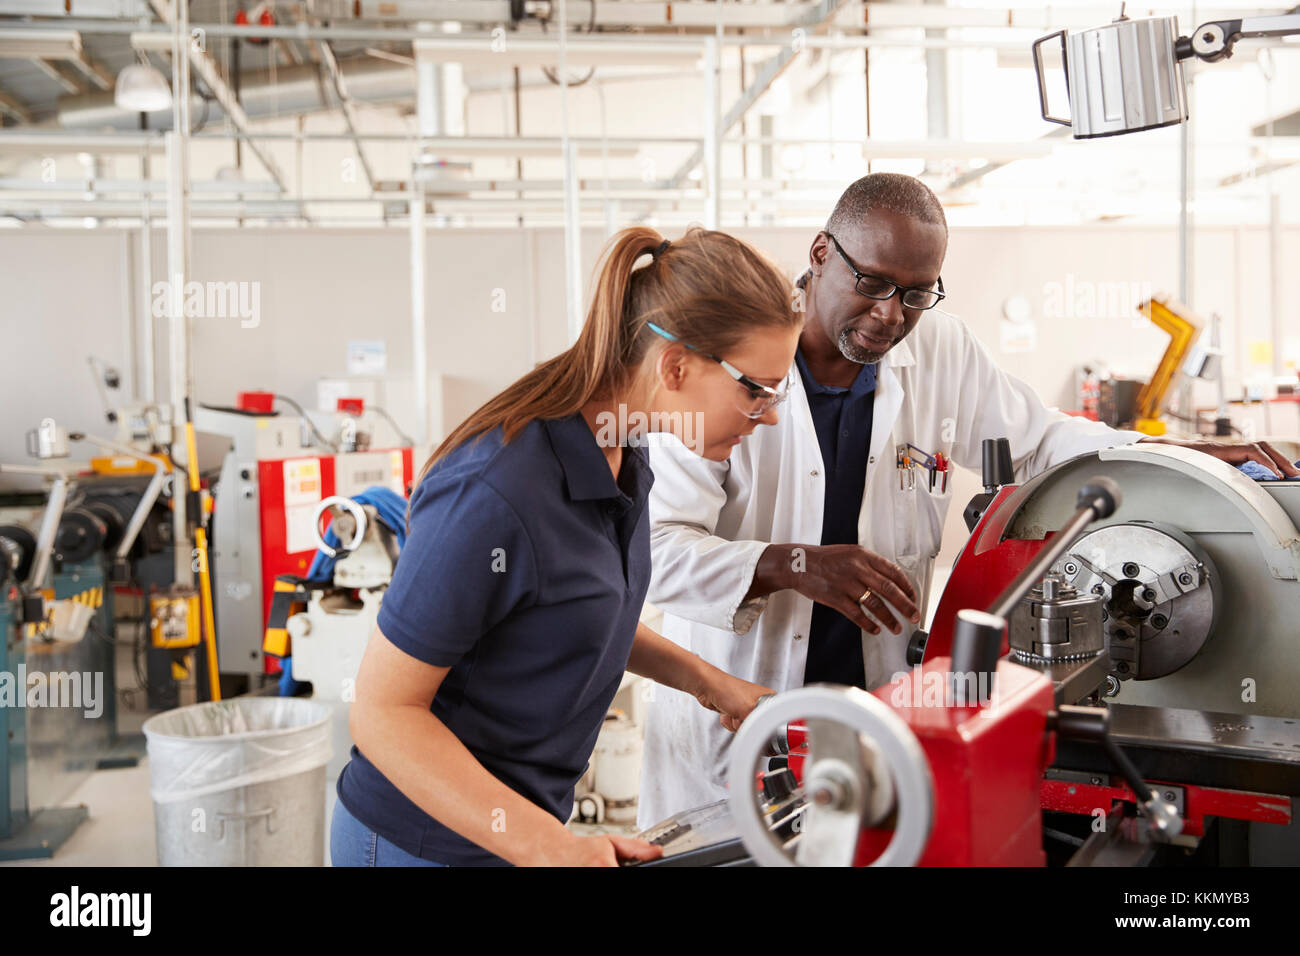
1253 469
392 512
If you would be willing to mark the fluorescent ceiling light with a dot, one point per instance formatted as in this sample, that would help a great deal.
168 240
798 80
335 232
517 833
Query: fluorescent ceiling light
152 41
42 44
142 89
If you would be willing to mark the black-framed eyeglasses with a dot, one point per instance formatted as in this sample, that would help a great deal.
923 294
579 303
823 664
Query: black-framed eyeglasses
762 398
876 287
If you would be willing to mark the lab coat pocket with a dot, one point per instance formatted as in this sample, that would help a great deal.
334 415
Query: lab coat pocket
932 508
907 525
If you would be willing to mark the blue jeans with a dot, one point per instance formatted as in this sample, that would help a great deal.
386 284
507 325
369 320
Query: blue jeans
352 843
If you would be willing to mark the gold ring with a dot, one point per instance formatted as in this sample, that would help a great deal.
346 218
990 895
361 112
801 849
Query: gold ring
866 595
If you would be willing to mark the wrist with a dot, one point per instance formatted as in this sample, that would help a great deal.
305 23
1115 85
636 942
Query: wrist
700 676
780 560
548 846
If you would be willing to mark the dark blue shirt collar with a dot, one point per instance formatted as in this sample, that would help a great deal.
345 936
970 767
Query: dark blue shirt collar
586 471
864 384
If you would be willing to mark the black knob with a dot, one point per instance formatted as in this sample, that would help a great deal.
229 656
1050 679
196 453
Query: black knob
1101 495
997 470
779 784
916 647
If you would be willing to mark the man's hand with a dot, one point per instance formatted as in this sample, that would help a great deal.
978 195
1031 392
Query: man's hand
838 574
1237 454
729 696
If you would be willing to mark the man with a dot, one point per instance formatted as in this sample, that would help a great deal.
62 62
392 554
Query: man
804 558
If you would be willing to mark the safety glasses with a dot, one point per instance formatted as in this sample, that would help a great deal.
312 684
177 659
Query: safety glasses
759 399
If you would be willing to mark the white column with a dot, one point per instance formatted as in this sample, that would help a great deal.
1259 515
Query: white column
712 141
419 352
178 271
572 220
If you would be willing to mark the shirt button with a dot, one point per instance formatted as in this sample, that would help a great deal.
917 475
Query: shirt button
845 433
798 637
814 473
871 460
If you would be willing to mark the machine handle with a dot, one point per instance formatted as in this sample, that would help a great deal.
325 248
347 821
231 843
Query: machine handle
1042 86
358 516
1093 724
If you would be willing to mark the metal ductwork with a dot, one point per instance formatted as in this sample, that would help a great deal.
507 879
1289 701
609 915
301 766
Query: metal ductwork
297 89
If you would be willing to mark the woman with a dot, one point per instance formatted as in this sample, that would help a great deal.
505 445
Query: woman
514 609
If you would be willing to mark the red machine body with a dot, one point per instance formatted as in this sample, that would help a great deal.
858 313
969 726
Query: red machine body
981 572
986 764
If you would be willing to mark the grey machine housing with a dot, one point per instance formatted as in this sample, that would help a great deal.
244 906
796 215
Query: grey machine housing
1196 574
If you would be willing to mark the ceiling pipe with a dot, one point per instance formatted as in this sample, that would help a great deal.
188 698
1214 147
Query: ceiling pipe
295 90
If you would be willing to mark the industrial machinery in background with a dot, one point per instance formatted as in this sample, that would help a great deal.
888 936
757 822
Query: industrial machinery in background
1126 697
176 617
321 621
275 474
57 614
1141 405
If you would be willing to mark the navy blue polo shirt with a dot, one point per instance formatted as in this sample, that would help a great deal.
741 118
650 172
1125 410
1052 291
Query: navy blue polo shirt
842 418
525 573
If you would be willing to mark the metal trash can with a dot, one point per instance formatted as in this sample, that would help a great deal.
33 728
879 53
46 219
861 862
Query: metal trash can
240 782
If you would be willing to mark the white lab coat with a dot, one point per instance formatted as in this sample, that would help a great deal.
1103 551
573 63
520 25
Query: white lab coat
938 389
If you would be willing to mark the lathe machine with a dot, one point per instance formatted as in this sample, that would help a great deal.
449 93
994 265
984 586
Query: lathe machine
1112 677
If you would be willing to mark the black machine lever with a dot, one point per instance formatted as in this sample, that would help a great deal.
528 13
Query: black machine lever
1097 499
1093 724
997 470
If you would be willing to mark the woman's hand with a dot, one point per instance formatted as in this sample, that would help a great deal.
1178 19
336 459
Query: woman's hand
604 849
731 697
667 663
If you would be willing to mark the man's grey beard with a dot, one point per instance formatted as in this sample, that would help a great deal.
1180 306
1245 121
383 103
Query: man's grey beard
854 352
